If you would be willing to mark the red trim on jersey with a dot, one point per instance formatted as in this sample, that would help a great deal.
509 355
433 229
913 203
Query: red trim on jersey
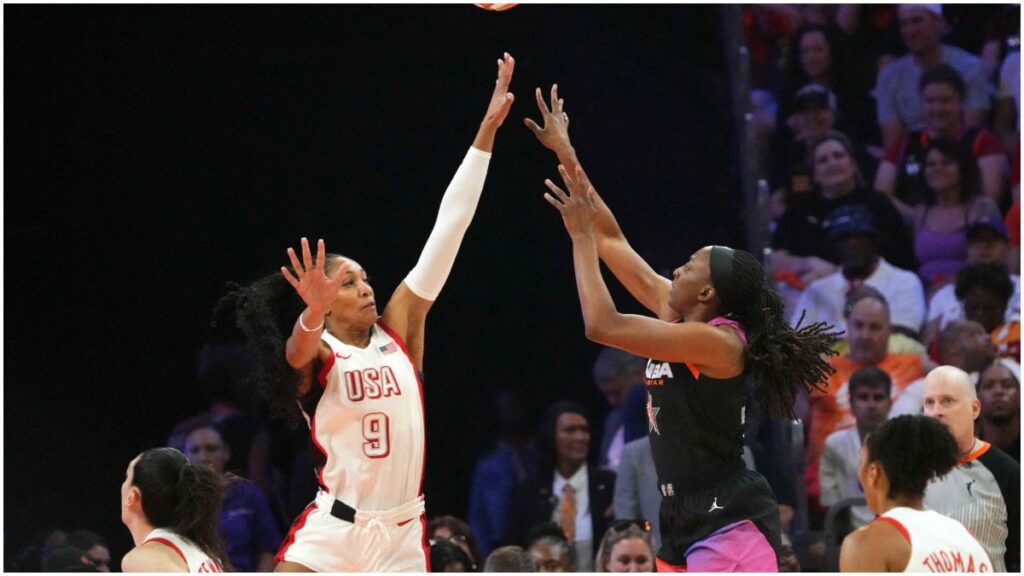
693 370
426 544
312 434
174 547
326 370
895 524
663 566
423 408
296 526
976 454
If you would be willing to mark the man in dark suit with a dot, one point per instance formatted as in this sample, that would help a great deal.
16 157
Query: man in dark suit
566 490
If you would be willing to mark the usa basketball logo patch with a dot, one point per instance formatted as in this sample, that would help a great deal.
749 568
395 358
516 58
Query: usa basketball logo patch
388 348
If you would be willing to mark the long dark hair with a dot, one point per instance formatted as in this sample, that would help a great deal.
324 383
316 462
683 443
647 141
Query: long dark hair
970 176
182 497
781 359
265 312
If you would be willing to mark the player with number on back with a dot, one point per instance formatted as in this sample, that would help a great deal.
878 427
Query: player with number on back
356 378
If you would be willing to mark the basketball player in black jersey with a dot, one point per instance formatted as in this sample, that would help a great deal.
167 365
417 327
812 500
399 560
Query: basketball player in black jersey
717 324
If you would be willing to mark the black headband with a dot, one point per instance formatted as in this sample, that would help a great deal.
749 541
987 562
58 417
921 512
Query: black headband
721 274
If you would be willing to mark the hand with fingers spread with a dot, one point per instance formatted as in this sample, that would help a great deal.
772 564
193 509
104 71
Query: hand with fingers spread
313 285
501 99
555 133
576 207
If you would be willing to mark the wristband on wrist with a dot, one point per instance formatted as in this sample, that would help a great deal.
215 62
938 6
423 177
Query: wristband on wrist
303 324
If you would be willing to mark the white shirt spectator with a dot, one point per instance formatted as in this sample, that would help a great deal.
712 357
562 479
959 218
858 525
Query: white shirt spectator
899 98
825 298
837 473
947 308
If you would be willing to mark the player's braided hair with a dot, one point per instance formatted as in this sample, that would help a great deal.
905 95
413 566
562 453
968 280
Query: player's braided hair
781 359
181 496
911 450
265 312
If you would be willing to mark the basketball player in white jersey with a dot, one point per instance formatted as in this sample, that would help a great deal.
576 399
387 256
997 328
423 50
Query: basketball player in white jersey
897 462
170 506
356 376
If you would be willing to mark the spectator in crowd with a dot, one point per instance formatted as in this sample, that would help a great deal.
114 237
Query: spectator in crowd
854 237
870 401
999 394
549 549
447 557
457 532
812 116
94 546
636 487
626 547
1006 121
800 239
868 327
986 244
896 464
497 473
951 204
983 490
246 524
942 94
964 344
568 491
897 88
70 559
617 375
509 559
822 67
985 291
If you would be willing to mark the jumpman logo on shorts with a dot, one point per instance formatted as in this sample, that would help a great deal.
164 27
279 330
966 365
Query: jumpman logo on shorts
715 506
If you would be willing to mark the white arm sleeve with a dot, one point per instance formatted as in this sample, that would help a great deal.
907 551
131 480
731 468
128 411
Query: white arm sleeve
457 208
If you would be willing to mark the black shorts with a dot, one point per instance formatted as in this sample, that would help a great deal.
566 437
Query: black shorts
690 516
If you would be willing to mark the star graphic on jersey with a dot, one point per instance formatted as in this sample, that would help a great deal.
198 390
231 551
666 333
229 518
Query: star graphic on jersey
652 417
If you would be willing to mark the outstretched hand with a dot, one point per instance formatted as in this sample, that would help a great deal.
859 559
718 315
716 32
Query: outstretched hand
501 99
313 286
555 133
576 207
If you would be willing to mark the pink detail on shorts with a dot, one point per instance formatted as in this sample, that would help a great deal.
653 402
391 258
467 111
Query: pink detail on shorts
738 547
723 321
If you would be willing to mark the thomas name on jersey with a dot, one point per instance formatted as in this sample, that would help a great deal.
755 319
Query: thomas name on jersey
954 561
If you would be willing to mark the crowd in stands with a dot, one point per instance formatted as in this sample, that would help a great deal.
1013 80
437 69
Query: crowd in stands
890 139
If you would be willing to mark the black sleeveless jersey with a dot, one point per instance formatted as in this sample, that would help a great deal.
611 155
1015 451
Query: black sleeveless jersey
696 424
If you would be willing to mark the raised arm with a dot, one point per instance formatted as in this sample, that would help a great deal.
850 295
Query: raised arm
715 350
318 292
406 311
646 285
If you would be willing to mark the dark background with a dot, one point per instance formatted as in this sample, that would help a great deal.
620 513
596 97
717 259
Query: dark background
154 153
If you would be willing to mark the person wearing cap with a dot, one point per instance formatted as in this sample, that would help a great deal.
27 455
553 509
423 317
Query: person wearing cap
853 237
897 91
717 326
800 243
986 244
943 93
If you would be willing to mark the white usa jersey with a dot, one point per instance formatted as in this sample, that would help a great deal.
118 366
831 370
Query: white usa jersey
194 557
938 543
368 427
